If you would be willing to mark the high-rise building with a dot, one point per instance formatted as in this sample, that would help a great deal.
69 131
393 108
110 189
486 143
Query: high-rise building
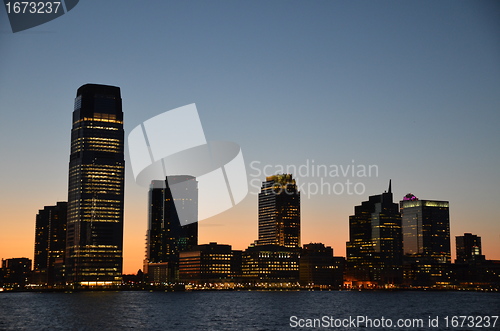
426 238
94 241
50 244
279 212
375 247
468 248
426 229
172 225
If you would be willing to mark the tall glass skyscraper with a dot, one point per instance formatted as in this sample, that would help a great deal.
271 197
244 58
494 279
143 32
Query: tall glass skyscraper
50 244
426 229
279 212
375 247
94 241
172 225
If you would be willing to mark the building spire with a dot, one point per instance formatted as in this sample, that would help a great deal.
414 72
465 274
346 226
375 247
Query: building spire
390 189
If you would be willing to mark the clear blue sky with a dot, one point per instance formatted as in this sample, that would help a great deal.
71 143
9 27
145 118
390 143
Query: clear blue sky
410 86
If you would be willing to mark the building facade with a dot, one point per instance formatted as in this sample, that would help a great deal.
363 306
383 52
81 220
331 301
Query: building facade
279 212
426 235
271 266
16 272
375 247
318 267
94 241
166 235
426 229
209 264
50 245
468 248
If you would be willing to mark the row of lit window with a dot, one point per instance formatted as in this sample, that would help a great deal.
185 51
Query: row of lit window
97 119
111 207
100 201
94 139
101 172
88 218
90 247
94 148
99 179
87 182
100 167
103 215
90 126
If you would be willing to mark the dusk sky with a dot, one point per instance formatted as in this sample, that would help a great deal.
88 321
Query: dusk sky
409 87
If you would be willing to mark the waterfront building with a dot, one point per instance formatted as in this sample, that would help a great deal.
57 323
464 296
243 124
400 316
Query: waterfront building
167 233
468 248
279 212
271 266
50 245
426 229
94 240
210 264
16 272
375 247
318 268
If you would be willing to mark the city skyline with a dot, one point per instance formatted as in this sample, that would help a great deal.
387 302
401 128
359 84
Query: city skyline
409 87
174 259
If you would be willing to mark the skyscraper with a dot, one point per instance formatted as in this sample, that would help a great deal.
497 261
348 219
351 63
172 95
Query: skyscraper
426 229
94 239
426 237
50 244
375 247
468 248
279 212
166 236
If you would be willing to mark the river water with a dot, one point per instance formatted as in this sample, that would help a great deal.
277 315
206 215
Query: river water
249 310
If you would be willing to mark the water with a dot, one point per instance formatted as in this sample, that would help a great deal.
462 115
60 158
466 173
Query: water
250 310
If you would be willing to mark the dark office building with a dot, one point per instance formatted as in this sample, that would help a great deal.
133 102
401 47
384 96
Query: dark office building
94 241
50 245
375 247
209 264
16 272
279 212
471 269
166 236
318 267
271 266
468 248
426 229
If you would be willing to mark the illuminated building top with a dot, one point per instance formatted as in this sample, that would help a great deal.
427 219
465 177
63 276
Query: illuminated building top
410 197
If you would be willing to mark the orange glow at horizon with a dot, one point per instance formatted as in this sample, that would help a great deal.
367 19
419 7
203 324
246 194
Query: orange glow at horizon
237 227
